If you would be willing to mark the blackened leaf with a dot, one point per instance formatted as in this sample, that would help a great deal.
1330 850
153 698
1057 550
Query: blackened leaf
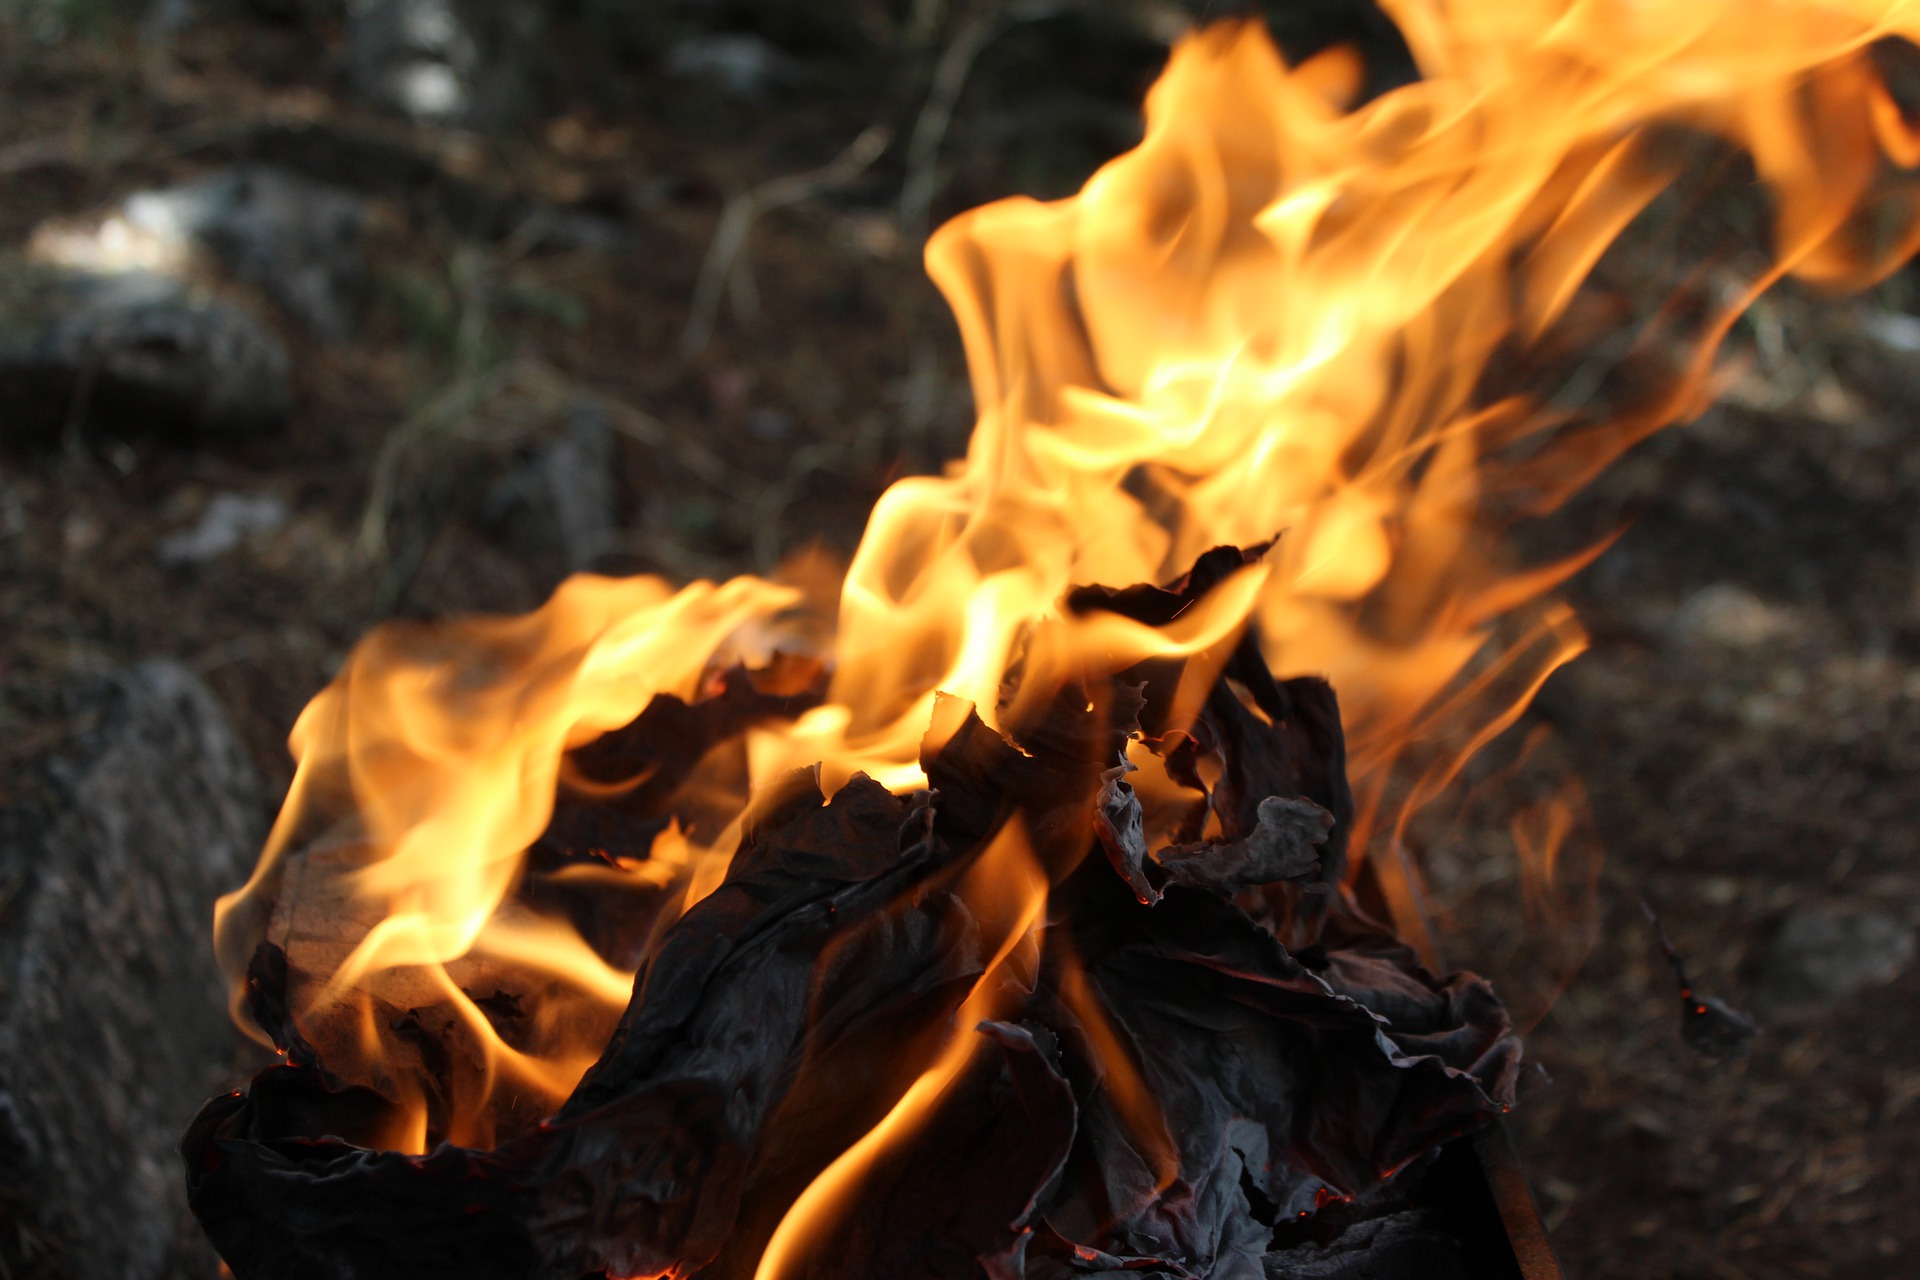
1710 1026
267 1003
1457 1020
1117 821
1402 1246
615 790
1714 1028
1259 1068
1157 606
1288 744
964 1182
278 1200
982 780
1282 846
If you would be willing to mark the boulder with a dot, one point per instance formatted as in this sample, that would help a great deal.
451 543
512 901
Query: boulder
228 521
296 239
1826 952
133 352
556 505
113 1019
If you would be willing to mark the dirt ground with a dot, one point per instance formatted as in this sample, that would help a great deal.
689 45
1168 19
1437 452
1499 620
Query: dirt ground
1747 723
1739 770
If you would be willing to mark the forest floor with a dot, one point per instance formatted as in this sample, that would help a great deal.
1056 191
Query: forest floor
1747 722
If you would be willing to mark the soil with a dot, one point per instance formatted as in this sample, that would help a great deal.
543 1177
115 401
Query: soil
1746 724
1739 771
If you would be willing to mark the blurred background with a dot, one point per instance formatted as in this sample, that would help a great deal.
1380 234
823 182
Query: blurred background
315 313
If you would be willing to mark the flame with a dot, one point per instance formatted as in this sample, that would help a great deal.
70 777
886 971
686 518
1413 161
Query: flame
1007 890
1281 314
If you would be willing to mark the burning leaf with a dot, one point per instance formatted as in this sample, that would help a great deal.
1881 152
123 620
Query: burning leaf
779 1016
1714 1028
1121 828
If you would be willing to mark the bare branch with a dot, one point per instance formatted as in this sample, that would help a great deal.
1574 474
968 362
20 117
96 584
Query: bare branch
741 211
943 95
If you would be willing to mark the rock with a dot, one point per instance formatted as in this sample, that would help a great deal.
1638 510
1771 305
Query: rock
132 352
1894 330
770 425
744 66
569 229
459 62
297 239
557 504
113 1021
1729 616
1825 953
228 520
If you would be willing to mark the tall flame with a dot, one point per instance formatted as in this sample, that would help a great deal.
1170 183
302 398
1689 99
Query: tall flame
1280 314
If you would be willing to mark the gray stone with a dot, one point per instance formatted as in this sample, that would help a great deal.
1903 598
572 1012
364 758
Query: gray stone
458 62
228 521
744 66
557 503
1825 953
113 1021
297 239
1731 617
131 352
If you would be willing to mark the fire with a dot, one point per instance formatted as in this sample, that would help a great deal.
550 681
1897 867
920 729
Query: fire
1282 315
1008 888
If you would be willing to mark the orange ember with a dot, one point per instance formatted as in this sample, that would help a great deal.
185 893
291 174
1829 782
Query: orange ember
1281 315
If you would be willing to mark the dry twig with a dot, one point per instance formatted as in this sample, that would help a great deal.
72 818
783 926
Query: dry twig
722 270
943 95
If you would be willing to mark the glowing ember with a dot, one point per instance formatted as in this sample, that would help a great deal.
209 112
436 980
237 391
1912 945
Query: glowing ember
1275 317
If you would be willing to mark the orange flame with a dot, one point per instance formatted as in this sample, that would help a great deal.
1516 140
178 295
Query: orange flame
1007 890
1279 314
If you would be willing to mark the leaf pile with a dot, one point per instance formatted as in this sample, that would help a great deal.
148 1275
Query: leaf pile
1165 1088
